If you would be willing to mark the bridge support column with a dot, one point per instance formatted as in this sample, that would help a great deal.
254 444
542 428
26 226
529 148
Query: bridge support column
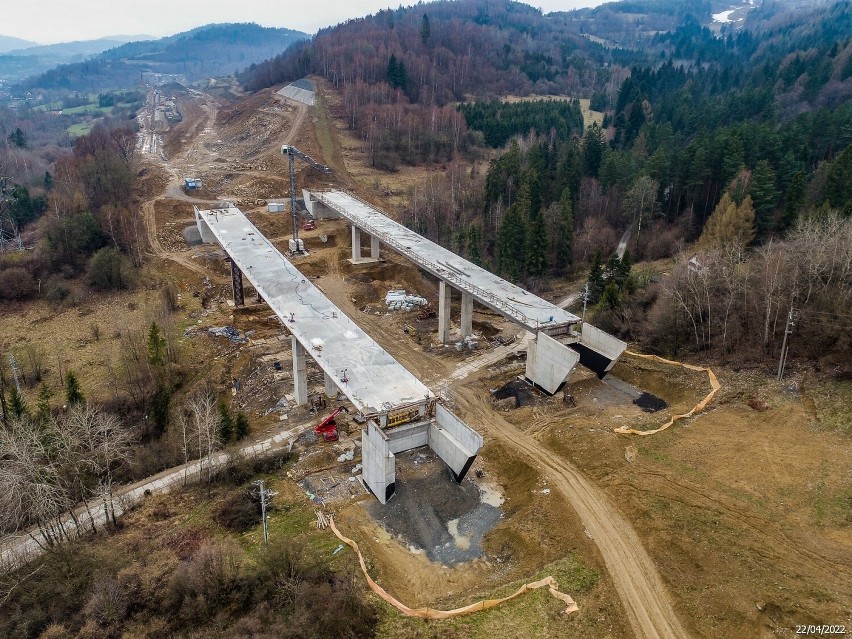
466 314
374 247
330 386
356 243
237 283
300 373
445 292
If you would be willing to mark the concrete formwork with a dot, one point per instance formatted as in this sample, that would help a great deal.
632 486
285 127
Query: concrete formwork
378 462
598 350
549 362
454 442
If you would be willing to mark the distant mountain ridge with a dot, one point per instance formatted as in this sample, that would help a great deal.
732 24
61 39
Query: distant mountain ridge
8 43
211 50
76 47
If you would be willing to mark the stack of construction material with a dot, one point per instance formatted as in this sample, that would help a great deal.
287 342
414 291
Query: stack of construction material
400 301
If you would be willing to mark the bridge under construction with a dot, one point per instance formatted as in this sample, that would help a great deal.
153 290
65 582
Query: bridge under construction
401 413
561 339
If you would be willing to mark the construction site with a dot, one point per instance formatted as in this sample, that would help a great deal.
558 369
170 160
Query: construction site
465 432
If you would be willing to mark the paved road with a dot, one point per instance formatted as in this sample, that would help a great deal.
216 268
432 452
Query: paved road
622 243
26 545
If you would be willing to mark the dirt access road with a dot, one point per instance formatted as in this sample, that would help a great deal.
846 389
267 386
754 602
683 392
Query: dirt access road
641 590
194 155
646 600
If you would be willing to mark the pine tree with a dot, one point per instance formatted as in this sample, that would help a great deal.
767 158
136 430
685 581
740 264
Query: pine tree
397 75
764 195
18 138
511 244
611 296
43 412
73 393
17 404
564 254
622 278
474 240
425 29
596 278
159 408
593 149
795 198
536 245
48 181
156 346
241 426
732 159
613 270
226 422
838 183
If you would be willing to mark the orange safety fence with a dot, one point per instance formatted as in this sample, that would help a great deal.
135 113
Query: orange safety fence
700 406
430 613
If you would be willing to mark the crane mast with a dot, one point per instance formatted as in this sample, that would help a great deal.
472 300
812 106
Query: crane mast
292 153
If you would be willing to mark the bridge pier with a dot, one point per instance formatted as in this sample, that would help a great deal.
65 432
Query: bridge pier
300 372
356 244
374 247
330 386
466 314
445 292
237 284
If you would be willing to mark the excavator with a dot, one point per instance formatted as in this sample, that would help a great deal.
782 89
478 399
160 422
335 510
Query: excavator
328 427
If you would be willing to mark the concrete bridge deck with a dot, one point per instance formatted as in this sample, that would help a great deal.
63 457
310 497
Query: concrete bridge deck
376 381
522 307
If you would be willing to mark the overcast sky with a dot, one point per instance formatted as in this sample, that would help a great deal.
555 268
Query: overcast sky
49 21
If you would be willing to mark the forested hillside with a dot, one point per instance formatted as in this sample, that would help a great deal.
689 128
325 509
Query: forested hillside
759 121
760 116
211 50
399 70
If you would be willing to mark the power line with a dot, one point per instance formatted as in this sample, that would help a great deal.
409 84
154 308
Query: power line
782 361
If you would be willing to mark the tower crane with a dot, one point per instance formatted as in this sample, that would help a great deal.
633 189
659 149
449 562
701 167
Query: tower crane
292 153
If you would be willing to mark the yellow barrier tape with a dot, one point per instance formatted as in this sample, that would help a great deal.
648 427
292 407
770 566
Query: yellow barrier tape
700 406
430 613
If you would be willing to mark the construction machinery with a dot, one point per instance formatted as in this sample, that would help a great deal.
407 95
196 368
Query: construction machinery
296 245
328 427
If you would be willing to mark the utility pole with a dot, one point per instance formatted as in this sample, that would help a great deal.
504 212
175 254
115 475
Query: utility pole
585 301
782 362
265 495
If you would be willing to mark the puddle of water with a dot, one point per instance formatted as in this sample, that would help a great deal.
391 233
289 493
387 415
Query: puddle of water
491 495
462 541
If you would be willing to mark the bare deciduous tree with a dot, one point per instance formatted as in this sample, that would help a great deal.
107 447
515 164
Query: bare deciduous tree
204 413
